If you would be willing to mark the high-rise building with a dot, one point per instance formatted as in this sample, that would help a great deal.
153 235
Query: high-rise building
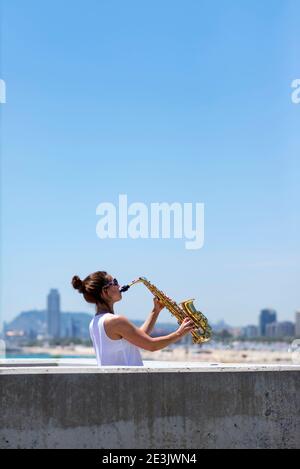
267 316
297 321
280 329
53 313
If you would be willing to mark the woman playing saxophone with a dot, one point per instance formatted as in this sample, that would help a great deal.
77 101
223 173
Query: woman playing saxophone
116 340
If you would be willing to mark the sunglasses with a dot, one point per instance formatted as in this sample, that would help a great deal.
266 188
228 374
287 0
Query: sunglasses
113 282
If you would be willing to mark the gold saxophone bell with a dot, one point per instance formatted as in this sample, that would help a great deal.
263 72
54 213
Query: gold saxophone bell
186 308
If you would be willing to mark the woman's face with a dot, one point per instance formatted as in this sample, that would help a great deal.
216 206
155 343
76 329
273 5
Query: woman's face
112 290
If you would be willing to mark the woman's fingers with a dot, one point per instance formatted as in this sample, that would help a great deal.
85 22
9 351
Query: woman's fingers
188 323
186 320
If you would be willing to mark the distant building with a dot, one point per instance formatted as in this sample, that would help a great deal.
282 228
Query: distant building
271 330
297 321
53 314
267 316
250 332
286 329
75 325
280 329
75 331
235 331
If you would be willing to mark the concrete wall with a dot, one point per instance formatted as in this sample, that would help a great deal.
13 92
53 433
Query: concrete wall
138 408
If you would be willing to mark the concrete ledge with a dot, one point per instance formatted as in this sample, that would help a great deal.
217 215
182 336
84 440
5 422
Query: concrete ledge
161 405
89 365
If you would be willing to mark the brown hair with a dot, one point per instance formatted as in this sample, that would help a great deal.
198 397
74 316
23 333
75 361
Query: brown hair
91 288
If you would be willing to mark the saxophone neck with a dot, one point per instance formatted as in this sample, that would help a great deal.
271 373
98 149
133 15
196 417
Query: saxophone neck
126 287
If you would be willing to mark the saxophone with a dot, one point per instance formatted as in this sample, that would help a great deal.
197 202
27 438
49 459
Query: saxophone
186 308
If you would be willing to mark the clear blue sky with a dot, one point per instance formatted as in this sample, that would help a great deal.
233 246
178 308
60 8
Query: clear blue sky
186 101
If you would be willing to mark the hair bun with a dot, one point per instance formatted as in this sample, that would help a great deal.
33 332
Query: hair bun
78 284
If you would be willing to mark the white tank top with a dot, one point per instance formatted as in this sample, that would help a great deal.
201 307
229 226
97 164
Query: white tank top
109 351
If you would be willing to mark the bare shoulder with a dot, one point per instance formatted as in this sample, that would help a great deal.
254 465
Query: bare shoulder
120 324
113 324
118 320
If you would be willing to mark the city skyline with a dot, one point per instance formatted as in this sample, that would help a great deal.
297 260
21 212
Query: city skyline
53 301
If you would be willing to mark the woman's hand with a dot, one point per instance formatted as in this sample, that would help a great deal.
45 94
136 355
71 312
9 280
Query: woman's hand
158 305
186 326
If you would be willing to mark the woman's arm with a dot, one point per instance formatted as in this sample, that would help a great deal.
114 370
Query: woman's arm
151 319
122 326
149 323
